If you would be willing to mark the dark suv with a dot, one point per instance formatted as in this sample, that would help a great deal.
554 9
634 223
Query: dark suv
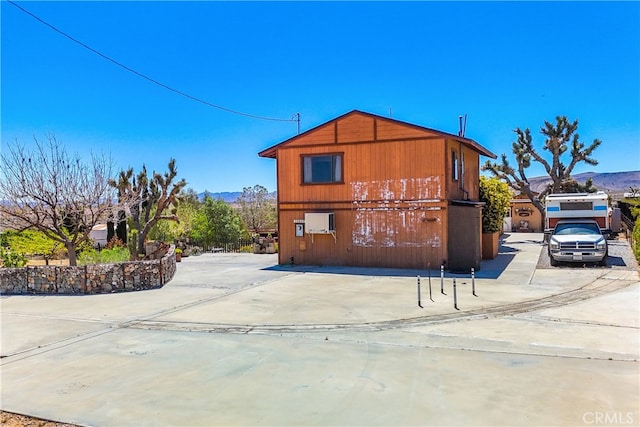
577 240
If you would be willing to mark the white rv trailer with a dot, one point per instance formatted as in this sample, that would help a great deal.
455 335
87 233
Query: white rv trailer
577 205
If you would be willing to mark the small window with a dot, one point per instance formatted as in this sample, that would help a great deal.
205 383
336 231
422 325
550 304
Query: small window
576 206
454 165
322 169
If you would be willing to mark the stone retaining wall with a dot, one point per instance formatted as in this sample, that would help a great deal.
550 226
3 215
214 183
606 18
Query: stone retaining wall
89 279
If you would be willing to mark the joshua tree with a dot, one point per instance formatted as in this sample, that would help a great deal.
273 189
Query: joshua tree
149 199
560 139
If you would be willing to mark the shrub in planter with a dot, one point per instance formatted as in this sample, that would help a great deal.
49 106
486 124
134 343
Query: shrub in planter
496 196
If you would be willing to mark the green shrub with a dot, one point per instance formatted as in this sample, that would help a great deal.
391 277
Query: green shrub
636 238
496 195
32 242
12 259
247 249
630 207
105 256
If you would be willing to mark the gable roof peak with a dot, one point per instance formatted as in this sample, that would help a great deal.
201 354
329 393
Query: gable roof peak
271 151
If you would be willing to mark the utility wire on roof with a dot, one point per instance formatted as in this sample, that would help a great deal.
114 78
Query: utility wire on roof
294 118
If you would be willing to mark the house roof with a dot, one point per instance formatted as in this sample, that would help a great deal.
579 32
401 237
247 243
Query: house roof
271 151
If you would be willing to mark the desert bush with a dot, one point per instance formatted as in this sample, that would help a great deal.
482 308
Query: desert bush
636 239
115 242
105 256
248 249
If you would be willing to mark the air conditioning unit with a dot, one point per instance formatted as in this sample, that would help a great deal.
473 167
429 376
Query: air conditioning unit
320 223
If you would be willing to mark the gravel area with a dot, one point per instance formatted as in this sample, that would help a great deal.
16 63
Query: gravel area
620 257
9 419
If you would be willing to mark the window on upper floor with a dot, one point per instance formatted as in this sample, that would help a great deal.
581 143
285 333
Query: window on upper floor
322 169
454 165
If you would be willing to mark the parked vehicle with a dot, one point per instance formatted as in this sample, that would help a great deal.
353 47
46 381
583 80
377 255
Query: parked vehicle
577 240
578 205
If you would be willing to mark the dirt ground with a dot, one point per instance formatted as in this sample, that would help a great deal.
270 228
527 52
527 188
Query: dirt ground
52 262
9 419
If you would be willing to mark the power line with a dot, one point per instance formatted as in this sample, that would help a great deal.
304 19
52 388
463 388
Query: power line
294 118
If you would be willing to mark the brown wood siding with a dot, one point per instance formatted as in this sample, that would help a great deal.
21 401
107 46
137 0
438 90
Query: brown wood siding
392 210
355 128
407 170
464 237
466 186
471 177
451 184
391 130
368 237
325 134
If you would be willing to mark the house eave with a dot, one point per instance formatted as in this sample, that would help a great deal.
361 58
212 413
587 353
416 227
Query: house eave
471 203
271 151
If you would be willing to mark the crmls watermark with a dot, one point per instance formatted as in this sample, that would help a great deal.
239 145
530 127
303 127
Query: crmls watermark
598 418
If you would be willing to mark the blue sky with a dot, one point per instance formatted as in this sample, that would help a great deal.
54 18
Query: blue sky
504 64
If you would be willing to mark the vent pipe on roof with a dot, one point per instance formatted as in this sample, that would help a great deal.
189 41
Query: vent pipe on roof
463 125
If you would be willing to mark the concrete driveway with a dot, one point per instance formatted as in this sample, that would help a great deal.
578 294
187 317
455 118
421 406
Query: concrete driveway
235 340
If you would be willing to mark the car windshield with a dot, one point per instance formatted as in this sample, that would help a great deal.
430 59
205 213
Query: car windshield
572 229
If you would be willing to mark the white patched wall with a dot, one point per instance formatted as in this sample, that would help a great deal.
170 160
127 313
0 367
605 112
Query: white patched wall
391 213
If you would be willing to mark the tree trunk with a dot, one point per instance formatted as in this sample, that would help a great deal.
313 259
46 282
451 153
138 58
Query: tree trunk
111 231
71 252
140 245
121 227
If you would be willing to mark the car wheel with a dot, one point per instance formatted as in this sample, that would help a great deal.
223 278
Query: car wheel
603 262
552 261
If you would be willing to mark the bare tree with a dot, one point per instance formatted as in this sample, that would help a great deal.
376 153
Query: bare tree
560 138
149 199
257 208
49 190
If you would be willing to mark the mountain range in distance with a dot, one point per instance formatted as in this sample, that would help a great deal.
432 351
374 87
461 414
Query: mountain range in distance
228 196
225 196
613 183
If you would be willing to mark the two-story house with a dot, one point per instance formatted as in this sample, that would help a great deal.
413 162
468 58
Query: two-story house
367 190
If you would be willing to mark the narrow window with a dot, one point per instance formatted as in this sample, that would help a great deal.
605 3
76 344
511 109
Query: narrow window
454 165
323 169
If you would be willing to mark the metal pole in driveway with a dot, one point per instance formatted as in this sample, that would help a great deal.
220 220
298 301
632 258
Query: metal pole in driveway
455 296
419 301
429 270
442 279
473 281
